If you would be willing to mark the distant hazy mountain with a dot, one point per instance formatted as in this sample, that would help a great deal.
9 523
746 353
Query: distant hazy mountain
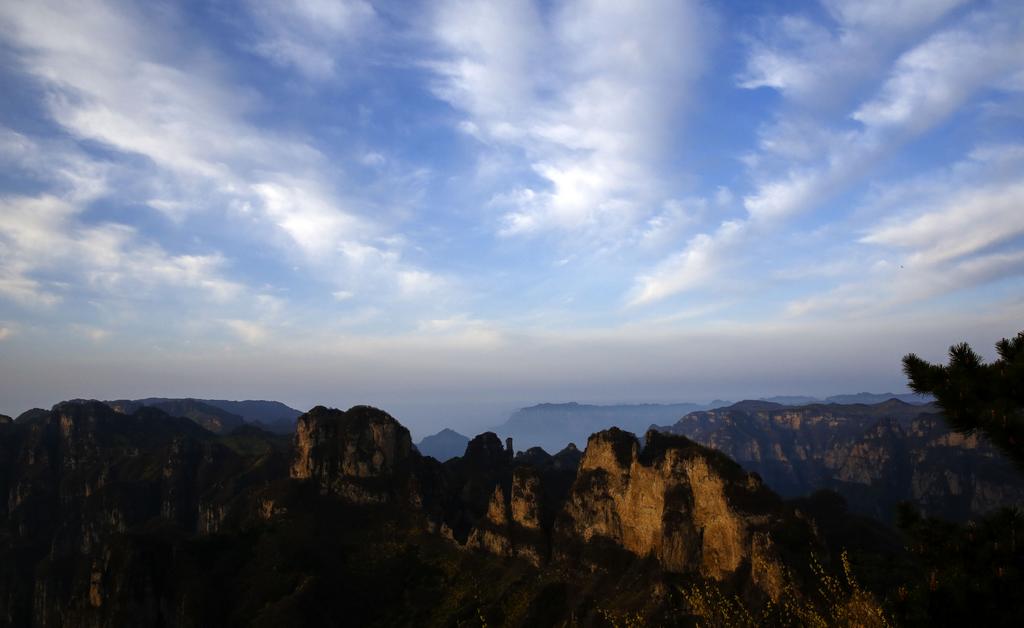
870 398
792 400
554 425
444 445
272 415
219 415
862 397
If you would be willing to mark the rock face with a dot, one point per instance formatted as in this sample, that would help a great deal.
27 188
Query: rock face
676 501
686 506
83 485
873 455
360 454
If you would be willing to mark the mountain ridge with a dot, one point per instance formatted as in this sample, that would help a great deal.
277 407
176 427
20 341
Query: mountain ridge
221 415
875 455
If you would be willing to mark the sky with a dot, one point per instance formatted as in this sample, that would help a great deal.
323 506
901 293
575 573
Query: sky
452 209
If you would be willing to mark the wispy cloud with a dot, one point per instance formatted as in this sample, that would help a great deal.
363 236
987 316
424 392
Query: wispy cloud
248 331
923 87
585 90
309 35
814 62
947 231
114 79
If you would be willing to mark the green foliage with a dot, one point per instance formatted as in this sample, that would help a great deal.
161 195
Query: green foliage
834 601
976 396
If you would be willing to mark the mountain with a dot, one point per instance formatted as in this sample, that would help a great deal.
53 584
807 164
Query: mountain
863 397
554 425
444 445
790 400
873 398
129 519
273 415
211 417
874 455
135 519
219 415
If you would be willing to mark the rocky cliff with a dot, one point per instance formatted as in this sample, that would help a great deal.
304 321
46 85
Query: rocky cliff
81 483
363 455
690 508
874 455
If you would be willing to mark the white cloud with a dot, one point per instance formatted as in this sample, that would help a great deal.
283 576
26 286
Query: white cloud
309 35
89 332
811 63
112 77
933 79
463 331
16 286
413 283
925 86
5 333
891 286
307 216
665 227
589 115
694 266
44 234
975 219
952 229
248 331
373 159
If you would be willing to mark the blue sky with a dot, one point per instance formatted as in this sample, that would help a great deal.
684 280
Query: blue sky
443 207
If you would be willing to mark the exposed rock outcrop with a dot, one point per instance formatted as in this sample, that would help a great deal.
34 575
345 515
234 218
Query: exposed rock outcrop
689 507
360 454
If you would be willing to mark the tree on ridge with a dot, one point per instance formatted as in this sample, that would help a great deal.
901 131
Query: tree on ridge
978 397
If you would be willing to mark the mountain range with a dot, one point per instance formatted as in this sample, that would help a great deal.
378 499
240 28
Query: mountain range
141 518
874 455
861 397
553 425
118 517
219 415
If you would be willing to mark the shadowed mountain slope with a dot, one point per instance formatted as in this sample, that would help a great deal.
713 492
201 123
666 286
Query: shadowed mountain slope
874 455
